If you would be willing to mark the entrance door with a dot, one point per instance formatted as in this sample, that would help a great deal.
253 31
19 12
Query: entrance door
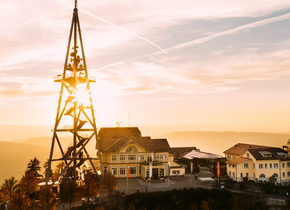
155 173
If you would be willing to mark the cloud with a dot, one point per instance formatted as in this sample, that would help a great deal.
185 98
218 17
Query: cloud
179 75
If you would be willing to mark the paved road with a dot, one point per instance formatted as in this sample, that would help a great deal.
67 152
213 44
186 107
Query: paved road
132 184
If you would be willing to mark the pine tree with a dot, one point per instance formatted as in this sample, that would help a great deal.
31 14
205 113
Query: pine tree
91 185
33 167
45 166
47 199
28 183
8 188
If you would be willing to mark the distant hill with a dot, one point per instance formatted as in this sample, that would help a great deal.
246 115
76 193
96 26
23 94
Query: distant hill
12 132
42 141
65 141
218 142
15 155
14 158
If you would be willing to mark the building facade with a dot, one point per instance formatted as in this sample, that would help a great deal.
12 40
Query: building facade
126 153
258 163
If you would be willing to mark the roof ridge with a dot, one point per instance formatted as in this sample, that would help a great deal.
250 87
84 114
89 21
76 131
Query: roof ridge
115 142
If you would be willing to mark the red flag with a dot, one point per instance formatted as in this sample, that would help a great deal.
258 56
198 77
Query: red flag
218 169
128 170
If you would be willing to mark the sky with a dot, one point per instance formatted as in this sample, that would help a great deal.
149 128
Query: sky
189 65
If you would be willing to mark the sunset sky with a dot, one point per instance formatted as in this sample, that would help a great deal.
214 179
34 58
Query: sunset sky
224 65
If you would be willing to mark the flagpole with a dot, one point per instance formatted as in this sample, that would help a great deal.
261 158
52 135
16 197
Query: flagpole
168 173
128 171
218 173
191 171
150 174
127 187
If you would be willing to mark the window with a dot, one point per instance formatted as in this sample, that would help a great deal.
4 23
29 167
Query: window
275 165
114 171
241 175
283 174
157 156
262 176
288 173
114 157
233 174
261 166
141 157
270 165
247 174
122 157
253 165
254 175
122 171
246 165
266 165
161 172
275 175
248 155
161 157
230 173
230 165
132 170
175 172
283 165
131 157
288 164
149 158
132 149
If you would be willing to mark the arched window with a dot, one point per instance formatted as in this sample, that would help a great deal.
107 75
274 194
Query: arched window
262 176
275 175
132 149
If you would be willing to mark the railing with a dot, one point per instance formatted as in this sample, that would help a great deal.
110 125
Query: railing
80 76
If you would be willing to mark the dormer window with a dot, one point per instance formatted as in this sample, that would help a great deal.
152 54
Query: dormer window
248 155
282 154
266 154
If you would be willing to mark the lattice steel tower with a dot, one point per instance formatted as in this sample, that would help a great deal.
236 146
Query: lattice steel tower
75 105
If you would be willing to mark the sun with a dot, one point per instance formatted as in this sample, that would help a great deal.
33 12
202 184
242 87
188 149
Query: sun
82 95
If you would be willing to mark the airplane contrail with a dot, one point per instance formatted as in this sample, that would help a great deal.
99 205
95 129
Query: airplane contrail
209 38
118 27
129 32
231 31
39 18
33 20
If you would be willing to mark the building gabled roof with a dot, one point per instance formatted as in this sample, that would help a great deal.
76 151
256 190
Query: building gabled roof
240 148
109 135
113 139
118 132
271 153
201 155
238 160
179 151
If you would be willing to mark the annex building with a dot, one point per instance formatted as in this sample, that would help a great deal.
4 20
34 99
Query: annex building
125 152
258 163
